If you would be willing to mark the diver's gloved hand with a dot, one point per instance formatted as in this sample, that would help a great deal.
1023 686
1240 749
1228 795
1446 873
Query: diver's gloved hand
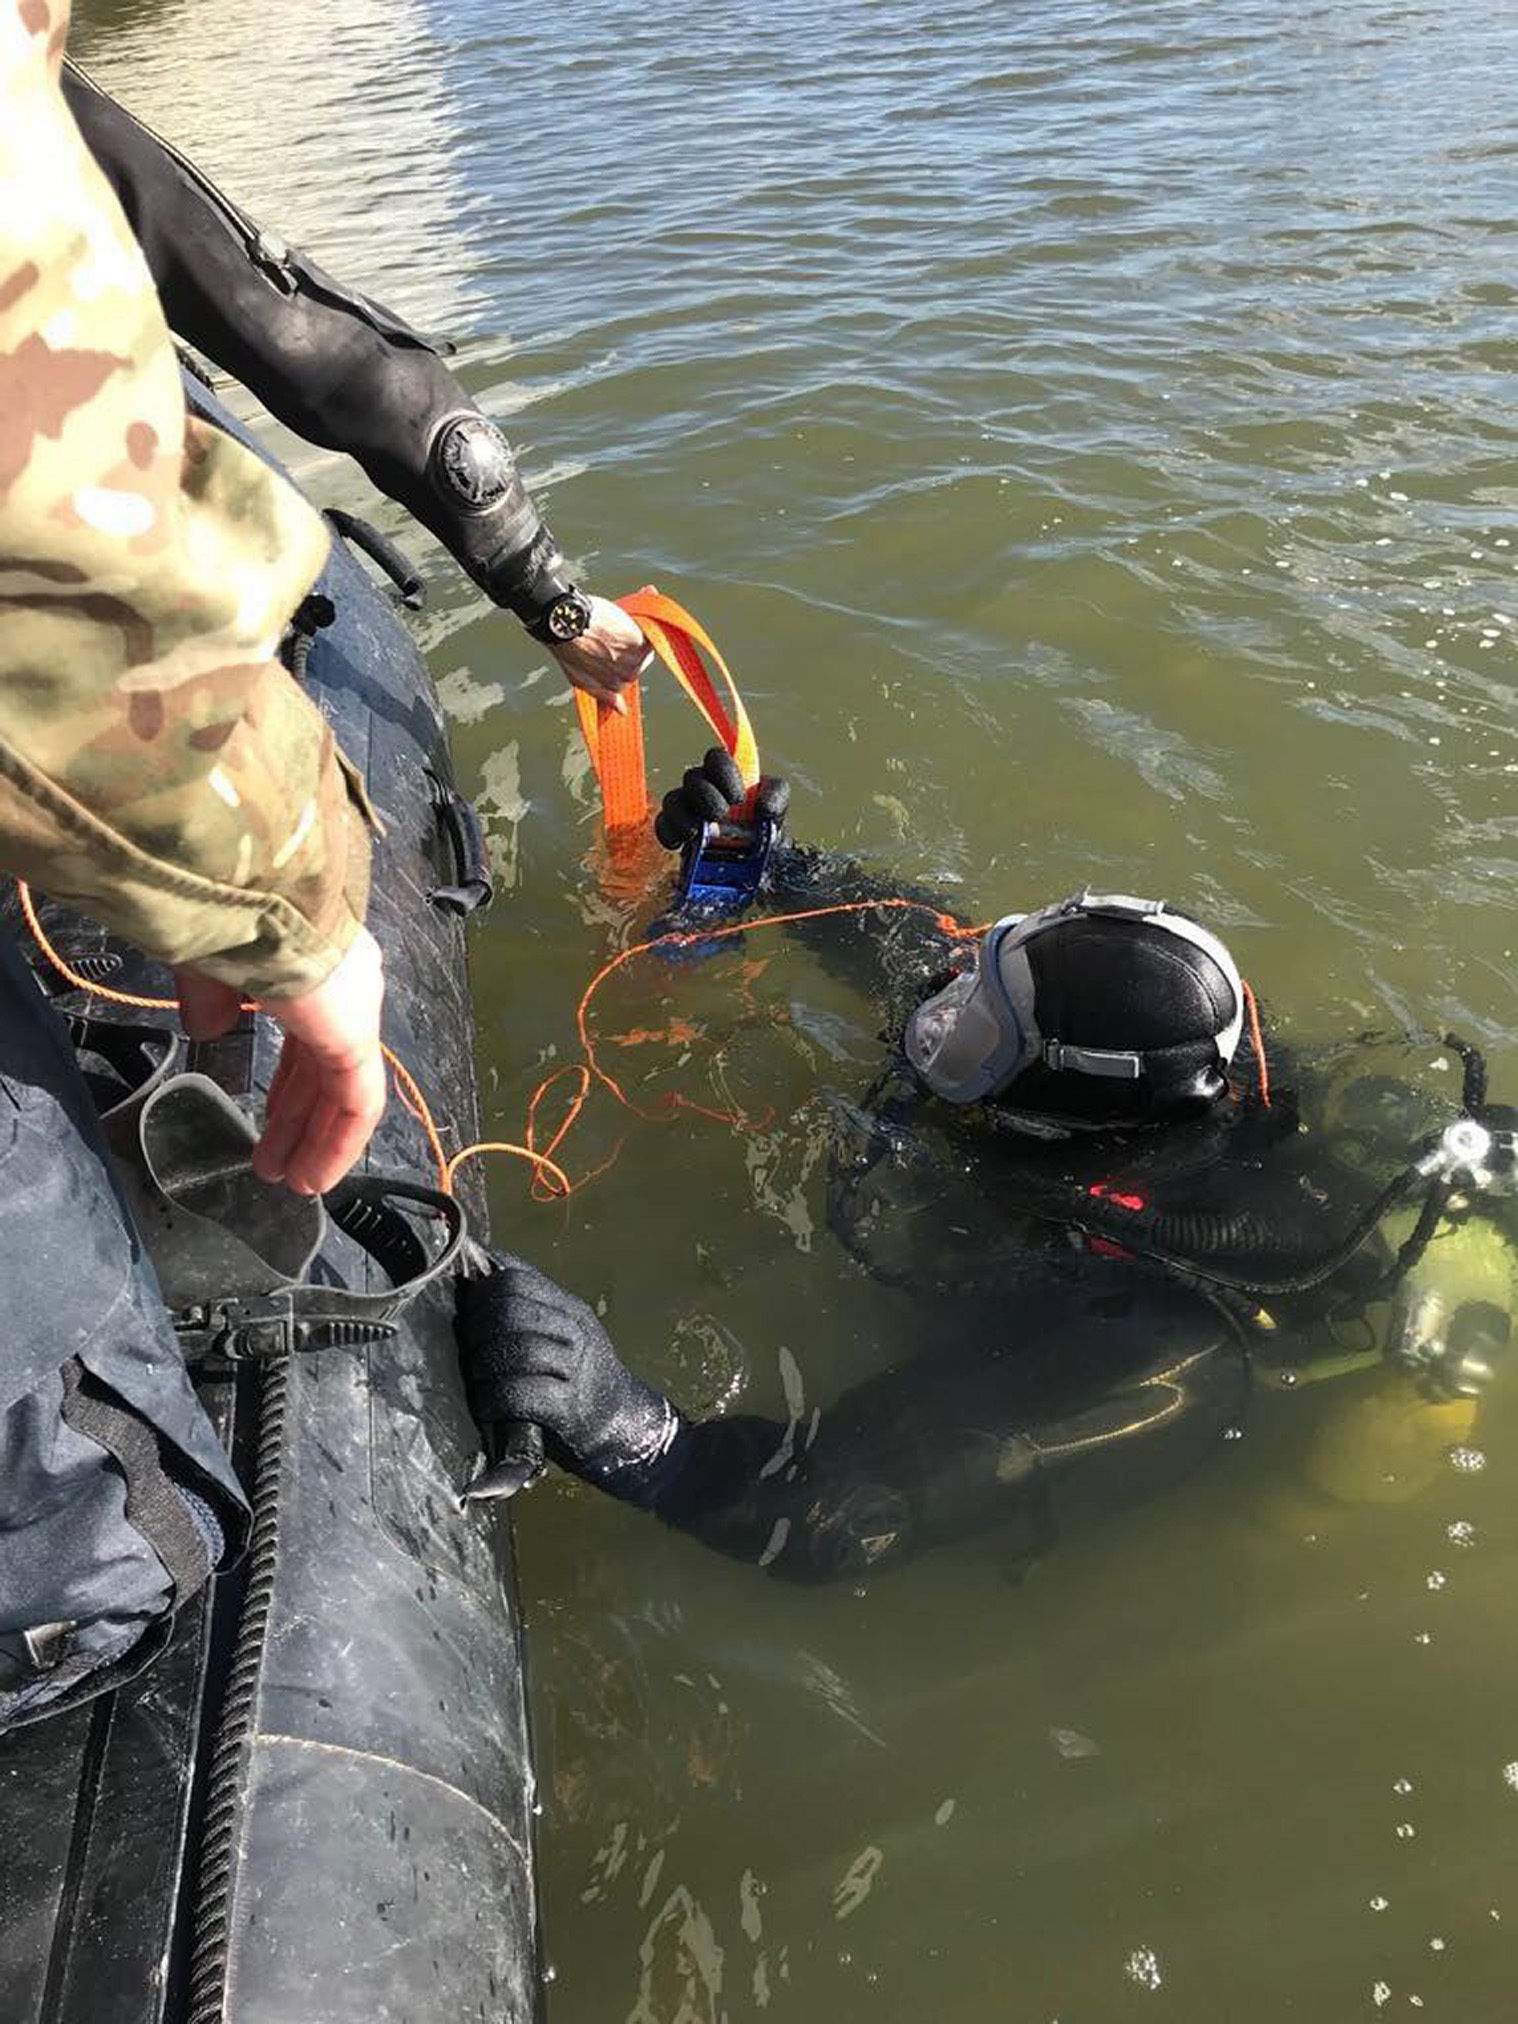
711 791
533 1352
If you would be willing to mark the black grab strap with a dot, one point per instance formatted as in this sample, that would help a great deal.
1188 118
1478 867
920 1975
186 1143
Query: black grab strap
382 551
153 1505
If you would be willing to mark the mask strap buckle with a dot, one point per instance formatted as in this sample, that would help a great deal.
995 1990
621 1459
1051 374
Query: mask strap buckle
1116 1066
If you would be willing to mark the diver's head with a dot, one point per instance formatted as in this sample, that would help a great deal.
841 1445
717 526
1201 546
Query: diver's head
1098 1013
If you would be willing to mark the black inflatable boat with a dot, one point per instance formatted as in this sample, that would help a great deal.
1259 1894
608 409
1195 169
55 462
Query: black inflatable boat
317 1807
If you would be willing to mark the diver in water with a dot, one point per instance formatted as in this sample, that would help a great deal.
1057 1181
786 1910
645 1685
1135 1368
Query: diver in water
1129 1209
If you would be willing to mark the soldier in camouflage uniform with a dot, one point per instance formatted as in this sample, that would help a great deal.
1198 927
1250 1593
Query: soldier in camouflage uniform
160 770
158 767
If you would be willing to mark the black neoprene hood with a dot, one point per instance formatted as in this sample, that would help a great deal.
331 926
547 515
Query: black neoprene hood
1116 984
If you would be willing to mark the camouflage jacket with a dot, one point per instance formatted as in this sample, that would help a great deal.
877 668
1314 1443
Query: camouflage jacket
158 767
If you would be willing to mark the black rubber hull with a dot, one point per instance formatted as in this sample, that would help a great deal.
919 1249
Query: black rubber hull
361 1852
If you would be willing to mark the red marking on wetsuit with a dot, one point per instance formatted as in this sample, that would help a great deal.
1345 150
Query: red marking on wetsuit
1102 1193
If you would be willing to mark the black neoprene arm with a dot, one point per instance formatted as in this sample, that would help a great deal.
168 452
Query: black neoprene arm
340 370
1105 1390
887 940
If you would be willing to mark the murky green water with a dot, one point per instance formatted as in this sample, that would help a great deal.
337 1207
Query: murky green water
1090 429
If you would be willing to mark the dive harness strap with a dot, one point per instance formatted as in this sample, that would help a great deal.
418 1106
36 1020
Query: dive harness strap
233 1254
302 1316
615 741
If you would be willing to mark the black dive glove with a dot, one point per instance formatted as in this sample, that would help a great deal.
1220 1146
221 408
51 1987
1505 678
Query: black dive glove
711 792
532 1352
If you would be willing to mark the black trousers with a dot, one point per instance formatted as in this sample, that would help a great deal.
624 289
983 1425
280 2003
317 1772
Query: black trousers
116 1499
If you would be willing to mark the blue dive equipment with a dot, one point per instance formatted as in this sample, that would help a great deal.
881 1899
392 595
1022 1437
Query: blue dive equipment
723 866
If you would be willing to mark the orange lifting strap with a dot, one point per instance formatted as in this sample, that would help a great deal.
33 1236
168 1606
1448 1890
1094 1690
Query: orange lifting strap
615 742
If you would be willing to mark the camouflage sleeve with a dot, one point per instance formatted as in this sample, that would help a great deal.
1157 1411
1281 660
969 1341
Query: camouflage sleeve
158 767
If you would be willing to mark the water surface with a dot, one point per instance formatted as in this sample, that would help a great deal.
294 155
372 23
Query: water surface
1090 430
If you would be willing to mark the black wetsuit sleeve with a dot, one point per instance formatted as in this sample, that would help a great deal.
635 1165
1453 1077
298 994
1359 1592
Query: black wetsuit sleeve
885 937
340 370
1105 1392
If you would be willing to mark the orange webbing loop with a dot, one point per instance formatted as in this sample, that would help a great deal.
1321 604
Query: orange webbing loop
615 745
615 742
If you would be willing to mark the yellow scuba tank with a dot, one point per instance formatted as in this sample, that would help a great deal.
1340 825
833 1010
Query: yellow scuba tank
1438 1343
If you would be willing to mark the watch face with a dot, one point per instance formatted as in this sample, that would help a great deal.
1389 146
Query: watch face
569 617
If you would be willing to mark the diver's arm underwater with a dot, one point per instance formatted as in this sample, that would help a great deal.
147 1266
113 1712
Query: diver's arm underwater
349 375
1112 1387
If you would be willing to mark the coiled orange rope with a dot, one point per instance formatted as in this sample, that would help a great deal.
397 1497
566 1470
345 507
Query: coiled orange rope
550 1181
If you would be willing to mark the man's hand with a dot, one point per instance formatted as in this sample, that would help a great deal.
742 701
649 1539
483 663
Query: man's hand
608 657
328 1091
533 1352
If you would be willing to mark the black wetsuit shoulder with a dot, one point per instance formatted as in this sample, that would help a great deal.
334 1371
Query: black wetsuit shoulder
339 369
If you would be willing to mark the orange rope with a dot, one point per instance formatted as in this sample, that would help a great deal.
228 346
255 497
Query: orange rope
588 1071
540 1160
405 1083
550 1182
29 913
1257 1042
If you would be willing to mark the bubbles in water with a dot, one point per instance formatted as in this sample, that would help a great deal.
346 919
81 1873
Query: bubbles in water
1403 1785
1436 1579
1461 1532
1405 1830
1071 1744
1379 1904
1468 1461
1143 1967
1380 1995
1436 1946
856 1883
1510 1776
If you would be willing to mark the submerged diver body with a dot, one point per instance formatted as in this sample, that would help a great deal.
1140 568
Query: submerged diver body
1125 1205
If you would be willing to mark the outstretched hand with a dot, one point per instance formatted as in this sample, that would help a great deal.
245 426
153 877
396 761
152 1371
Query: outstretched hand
328 1092
609 655
713 792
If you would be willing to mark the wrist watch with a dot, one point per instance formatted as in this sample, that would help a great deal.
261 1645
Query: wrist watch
564 617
